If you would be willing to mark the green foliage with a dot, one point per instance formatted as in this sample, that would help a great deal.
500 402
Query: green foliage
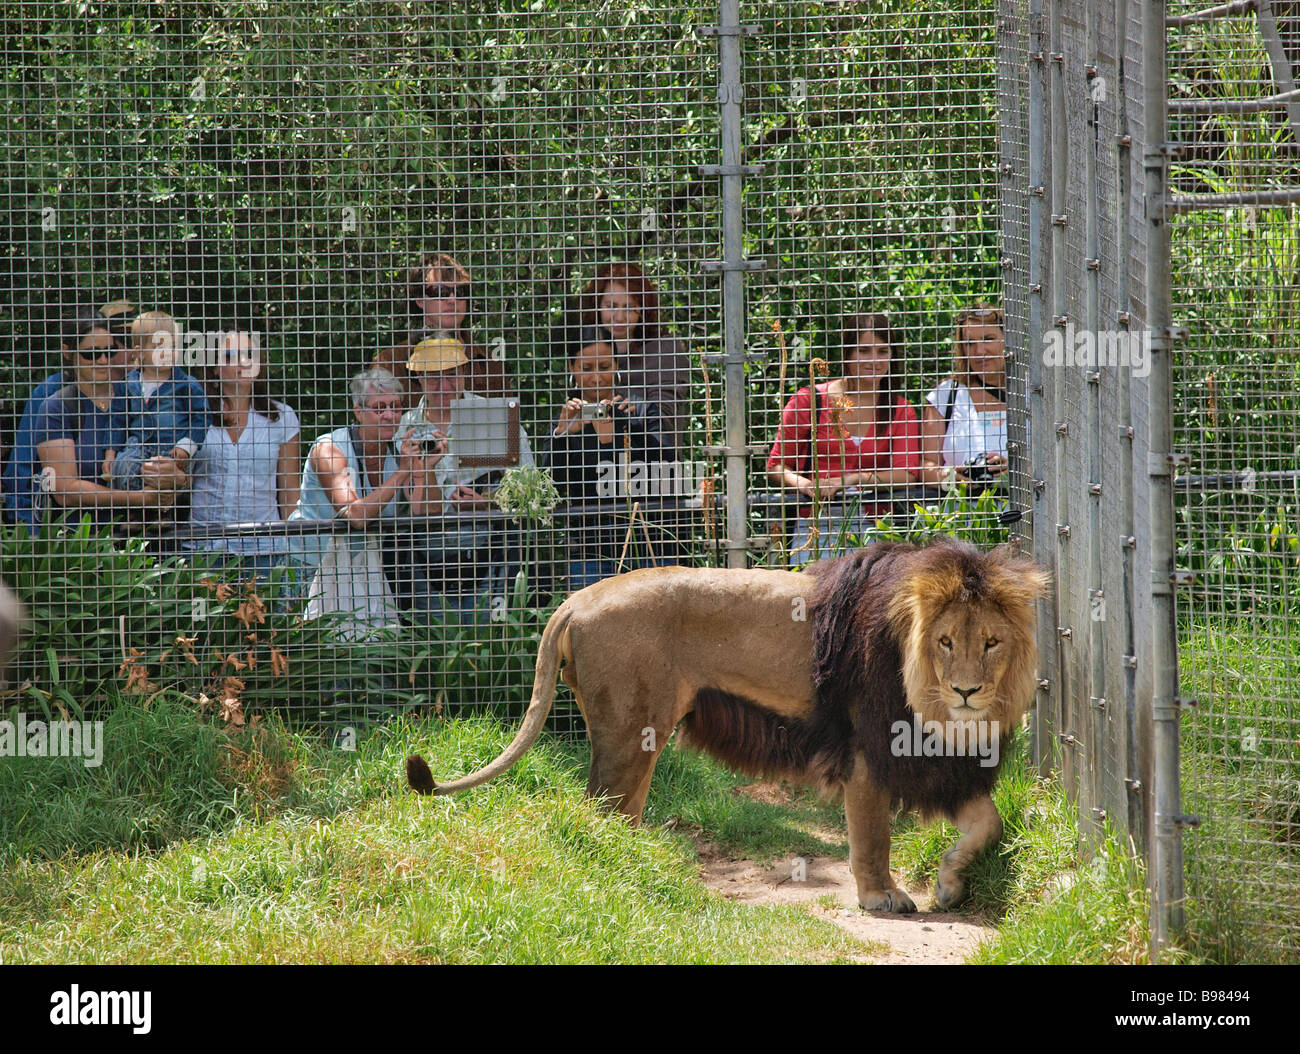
106 614
89 599
1251 568
1241 775
956 515
294 158
1236 273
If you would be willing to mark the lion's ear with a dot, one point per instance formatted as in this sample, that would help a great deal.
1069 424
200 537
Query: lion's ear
1017 580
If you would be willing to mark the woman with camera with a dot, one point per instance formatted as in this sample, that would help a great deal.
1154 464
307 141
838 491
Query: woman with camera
357 475
603 447
965 421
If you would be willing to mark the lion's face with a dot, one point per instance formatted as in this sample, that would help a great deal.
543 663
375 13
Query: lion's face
969 650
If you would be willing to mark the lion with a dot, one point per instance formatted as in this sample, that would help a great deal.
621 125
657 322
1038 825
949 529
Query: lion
808 676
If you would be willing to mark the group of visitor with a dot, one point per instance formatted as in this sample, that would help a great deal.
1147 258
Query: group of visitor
122 431
841 441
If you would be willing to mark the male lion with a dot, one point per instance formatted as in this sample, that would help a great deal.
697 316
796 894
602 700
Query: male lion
803 676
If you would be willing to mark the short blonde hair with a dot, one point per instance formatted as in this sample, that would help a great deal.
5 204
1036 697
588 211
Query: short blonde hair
148 329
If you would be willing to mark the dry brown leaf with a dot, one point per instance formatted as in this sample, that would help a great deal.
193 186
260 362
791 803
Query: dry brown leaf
232 711
251 610
129 662
279 662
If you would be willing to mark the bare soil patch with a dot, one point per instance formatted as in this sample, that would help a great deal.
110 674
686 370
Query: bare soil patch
825 885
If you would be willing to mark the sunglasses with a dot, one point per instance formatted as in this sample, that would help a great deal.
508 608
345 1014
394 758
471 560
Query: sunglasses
99 353
446 292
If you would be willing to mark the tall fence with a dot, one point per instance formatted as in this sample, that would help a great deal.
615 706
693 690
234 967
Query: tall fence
1150 184
691 200
683 206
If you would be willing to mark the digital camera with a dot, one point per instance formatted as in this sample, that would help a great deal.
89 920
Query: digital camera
977 469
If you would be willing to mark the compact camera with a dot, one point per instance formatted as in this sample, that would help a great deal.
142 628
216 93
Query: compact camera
428 441
977 469
594 411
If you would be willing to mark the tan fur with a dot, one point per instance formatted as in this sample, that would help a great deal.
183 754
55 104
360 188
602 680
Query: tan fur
932 607
638 649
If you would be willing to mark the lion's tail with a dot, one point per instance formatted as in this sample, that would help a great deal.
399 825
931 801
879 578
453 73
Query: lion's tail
554 648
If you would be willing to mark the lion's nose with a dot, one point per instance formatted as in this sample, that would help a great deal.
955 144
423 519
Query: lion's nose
966 693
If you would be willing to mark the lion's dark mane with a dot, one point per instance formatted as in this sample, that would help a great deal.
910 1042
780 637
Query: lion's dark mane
857 673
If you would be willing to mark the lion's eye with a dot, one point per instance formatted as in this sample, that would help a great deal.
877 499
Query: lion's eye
946 642
991 643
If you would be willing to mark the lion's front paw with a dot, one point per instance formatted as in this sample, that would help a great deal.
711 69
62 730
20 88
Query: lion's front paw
949 886
894 900
948 892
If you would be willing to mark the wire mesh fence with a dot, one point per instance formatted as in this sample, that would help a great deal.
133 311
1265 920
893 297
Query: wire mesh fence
1073 110
1150 176
614 244
750 283
1236 267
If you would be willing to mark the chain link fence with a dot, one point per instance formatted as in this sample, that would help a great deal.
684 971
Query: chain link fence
753 283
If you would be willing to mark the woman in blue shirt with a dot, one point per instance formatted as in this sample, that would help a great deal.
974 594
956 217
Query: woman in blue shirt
76 426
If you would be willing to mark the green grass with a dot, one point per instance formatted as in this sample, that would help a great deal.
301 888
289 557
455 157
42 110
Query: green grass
192 844
1241 775
317 855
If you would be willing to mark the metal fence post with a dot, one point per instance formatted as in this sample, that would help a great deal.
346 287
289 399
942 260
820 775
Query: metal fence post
730 93
1123 163
1049 711
1167 909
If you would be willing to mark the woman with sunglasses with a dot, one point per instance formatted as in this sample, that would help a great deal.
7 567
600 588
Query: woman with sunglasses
965 423
438 293
74 428
117 317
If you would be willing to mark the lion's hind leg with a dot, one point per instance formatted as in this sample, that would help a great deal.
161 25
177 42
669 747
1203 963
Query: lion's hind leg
980 825
626 741
866 808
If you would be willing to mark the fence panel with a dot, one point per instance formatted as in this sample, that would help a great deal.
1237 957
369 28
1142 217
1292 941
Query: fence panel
1236 264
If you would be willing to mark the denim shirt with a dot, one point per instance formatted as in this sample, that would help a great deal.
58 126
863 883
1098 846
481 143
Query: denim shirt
176 411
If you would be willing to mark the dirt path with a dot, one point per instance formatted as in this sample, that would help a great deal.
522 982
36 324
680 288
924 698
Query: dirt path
826 886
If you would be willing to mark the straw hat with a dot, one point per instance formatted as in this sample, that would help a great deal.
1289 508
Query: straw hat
437 354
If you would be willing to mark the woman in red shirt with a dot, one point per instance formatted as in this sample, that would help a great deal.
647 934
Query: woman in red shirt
867 433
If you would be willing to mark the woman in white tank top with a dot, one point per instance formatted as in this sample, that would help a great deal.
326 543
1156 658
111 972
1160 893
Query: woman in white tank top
966 415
